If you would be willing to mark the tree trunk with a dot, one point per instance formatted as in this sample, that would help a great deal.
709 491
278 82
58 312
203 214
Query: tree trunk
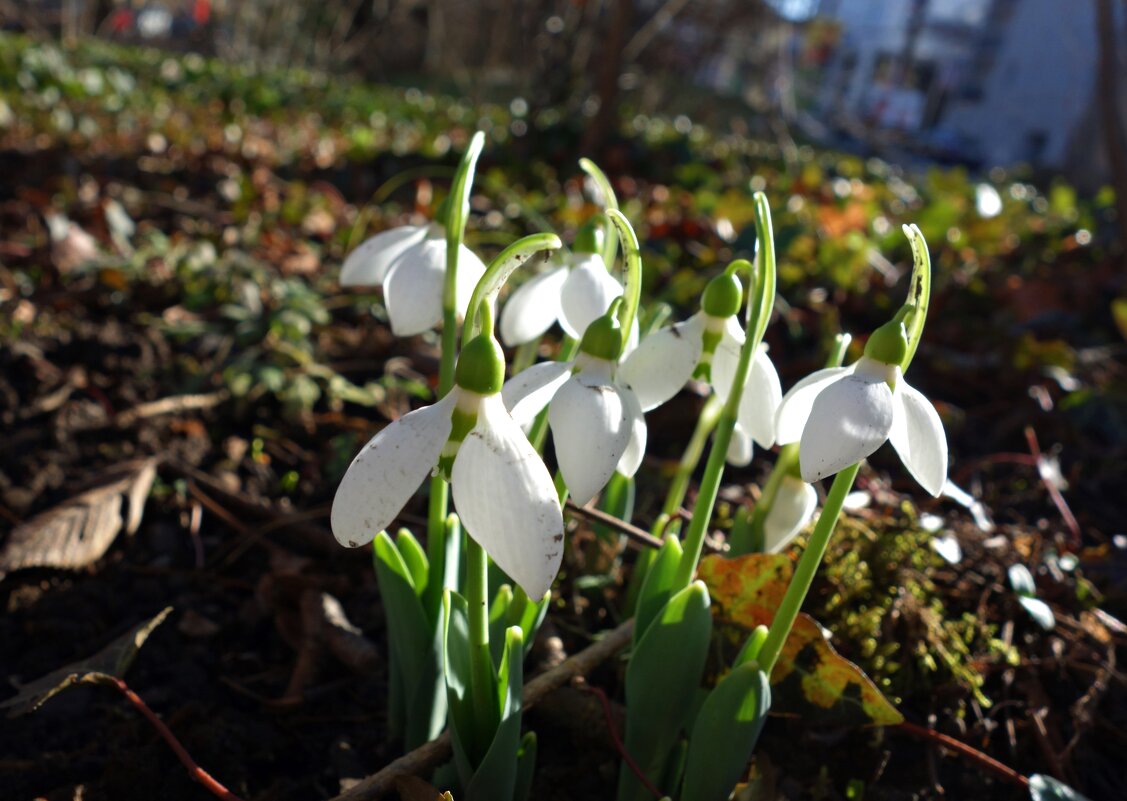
606 86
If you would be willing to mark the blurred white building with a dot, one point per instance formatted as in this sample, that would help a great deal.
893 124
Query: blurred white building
996 81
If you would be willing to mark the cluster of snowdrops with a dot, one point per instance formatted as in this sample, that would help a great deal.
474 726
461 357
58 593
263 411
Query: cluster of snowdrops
463 608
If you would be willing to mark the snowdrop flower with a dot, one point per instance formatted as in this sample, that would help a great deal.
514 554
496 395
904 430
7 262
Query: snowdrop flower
409 262
840 415
575 293
501 488
707 346
597 423
790 511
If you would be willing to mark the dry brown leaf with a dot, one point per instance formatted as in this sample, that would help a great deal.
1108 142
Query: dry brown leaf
79 531
111 661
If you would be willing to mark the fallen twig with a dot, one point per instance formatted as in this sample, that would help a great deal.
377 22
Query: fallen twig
635 534
430 755
991 764
195 771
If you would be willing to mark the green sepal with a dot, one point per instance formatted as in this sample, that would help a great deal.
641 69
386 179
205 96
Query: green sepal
709 341
496 775
662 678
461 424
722 296
415 558
416 703
481 366
724 735
657 586
603 338
592 235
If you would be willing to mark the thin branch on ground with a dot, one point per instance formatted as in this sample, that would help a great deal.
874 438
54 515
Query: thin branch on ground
430 755
989 763
197 773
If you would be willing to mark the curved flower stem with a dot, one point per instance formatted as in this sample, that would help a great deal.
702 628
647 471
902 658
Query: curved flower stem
632 283
761 299
479 317
609 200
706 421
807 565
438 502
483 678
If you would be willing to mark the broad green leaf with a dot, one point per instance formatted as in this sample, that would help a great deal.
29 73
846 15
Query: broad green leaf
496 777
526 766
662 678
725 733
657 586
416 701
499 621
456 663
527 615
810 678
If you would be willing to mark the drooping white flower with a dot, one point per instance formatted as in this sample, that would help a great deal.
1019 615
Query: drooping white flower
790 511
409 262
574 293
841 415
500 486
597 423
707 346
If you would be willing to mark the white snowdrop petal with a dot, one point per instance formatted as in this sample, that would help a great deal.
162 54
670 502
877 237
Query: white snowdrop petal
526 393
636 448
413 288
367 264
662 363
793 507
850 419
794 409
740 448
386 473
727 357
532 308
760 400
917 435
507 501
590 430
586 294
470 271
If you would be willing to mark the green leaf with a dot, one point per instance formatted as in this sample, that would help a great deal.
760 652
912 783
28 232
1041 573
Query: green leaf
1046 788
526 767
618 501
657 586
456 663
527 615
725 733
415 558
415 688
496 776
662 678
499 621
